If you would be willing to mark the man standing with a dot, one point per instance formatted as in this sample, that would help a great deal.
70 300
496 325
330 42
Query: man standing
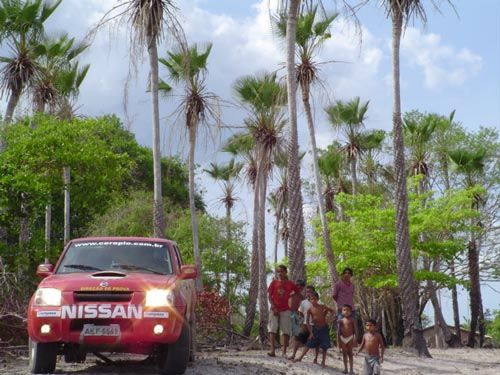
279 292
343 294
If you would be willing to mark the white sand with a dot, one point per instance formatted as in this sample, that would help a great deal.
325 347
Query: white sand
451 361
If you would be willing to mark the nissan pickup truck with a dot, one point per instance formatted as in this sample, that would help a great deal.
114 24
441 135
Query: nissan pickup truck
113 295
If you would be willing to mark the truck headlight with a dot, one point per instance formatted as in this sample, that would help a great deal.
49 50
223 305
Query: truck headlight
48 297
159 297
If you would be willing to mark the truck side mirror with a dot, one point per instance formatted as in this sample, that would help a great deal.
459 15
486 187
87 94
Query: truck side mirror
188 271
44 270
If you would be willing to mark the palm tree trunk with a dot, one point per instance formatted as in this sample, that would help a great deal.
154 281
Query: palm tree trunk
325 231
48 230
254 265
192 208
158 216
296 237
277 232
354 178
66 182
229 237
407 286
263 305
14 97
475 290
451 339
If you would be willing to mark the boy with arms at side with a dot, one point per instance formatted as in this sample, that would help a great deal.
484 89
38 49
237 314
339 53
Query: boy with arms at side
374 344
347 337
303 334
319 332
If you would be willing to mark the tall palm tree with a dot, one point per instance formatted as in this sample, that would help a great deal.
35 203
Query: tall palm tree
400 11
242 145
418 131
278 201
296 235
149 19
442 147
22 29
264 98
310 35
349 117
470 163
199 106
226 175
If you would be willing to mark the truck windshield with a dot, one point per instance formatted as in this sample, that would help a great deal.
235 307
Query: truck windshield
122 256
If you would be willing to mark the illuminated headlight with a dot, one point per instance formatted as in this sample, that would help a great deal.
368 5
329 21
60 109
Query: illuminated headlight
48 297
159 297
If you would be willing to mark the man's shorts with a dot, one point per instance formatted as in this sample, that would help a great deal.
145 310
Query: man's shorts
321 337
303 336
283 321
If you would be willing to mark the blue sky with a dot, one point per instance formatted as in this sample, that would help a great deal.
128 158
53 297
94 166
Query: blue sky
453 62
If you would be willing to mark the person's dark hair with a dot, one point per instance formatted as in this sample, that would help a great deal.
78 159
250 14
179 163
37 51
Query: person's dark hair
372 321
347 269
348 306
311 287
315 294
300 283
282 267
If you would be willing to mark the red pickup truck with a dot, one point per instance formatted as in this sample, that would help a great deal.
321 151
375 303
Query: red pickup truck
113 294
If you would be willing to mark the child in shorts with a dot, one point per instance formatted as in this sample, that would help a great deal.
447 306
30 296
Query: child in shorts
374 344
319 332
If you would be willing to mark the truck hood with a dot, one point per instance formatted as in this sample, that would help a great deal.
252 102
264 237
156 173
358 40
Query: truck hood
107 281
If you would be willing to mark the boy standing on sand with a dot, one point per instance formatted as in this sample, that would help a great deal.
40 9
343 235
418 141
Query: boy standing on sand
279 292
319 332
374 344
347 336
303 334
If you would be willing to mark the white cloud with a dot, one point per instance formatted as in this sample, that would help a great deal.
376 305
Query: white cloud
442 64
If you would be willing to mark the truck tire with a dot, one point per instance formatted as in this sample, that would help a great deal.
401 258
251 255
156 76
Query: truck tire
42 357
173 358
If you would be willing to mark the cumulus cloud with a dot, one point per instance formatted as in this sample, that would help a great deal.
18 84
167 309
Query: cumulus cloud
442 65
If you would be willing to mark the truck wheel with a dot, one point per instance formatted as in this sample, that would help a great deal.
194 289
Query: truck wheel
173 358
42 357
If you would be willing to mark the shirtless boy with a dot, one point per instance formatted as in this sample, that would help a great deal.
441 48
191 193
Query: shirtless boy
319 332
303 334
374 344
347 336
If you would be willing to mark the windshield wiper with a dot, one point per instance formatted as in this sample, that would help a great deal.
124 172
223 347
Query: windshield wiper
82 267
134 267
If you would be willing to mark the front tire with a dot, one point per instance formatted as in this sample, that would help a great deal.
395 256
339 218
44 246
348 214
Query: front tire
42 357
173 358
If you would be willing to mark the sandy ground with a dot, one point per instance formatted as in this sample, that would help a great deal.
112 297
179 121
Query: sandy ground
457 361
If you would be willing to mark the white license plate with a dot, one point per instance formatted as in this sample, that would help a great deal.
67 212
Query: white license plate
93 330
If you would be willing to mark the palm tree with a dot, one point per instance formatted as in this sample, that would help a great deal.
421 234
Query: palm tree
371 143
331 165
349 117
242 144
226 175
22 30
311 34
470 163
189 66
60 77
148 19
265 98
418 131
278 201
400 11
296 237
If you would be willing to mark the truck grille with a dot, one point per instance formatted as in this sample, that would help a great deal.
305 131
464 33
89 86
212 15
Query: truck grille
98 296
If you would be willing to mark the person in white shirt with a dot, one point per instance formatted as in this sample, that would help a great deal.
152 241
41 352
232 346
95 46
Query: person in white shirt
303 334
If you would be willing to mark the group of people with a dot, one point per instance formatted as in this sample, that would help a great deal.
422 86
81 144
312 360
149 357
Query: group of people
297 313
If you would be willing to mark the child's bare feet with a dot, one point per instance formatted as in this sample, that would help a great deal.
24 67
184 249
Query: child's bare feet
315 361
291 358
323 364
344 372
297 360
